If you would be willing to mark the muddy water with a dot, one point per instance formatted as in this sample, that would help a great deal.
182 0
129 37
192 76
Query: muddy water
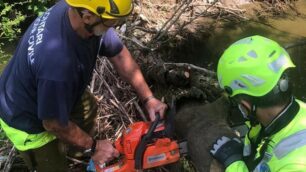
289 31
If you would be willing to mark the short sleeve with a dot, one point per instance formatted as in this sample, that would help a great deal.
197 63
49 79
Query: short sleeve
55 100
111 44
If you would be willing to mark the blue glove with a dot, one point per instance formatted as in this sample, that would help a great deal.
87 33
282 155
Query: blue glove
91 166
227 150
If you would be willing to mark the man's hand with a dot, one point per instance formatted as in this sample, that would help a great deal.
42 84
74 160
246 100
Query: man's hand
154 106
130 72
227 150
104 152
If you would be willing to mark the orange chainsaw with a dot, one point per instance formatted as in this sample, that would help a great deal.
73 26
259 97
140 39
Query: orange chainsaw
145 145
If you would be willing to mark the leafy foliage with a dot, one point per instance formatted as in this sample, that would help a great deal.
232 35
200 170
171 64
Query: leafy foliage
13 14
10 20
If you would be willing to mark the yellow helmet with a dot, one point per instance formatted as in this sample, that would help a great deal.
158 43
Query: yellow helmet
108 9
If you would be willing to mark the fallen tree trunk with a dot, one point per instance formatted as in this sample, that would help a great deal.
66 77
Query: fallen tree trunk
202 111
201 125
183 81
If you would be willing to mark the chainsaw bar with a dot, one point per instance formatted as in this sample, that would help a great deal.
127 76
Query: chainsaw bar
183 148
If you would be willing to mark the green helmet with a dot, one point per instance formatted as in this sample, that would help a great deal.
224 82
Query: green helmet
252 66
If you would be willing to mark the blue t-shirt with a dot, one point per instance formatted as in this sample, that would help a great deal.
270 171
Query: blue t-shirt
50 70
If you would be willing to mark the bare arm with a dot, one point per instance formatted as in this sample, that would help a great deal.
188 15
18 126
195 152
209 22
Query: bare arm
70 134
129 70
73 135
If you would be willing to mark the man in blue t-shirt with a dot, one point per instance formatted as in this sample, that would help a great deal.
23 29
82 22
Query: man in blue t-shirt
45 81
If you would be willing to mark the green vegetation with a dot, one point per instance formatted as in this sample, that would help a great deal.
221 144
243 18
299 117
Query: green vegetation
9 26
187 165
10 21
14 19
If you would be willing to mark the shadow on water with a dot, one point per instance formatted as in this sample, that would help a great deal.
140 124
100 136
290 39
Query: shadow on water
288 31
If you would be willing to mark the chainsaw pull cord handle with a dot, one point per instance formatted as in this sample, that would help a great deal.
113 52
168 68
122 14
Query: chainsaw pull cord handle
142 145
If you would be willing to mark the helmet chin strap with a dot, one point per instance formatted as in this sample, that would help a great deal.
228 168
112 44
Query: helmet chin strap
252 116
89 28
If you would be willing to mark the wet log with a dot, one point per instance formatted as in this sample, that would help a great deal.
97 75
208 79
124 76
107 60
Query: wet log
201 125
184 80
178 74
201 110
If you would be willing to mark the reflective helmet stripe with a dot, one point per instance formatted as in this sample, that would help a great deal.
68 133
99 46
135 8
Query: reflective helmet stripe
255 81
280 62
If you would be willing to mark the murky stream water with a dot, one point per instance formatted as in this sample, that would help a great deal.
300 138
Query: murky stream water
287 31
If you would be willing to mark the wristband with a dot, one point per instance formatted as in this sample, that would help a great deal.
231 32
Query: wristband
93 146
145 101
92 150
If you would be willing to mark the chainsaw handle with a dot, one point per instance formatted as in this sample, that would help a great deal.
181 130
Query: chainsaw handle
153 126
140 149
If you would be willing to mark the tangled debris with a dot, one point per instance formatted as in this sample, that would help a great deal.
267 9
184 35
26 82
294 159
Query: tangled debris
7 152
